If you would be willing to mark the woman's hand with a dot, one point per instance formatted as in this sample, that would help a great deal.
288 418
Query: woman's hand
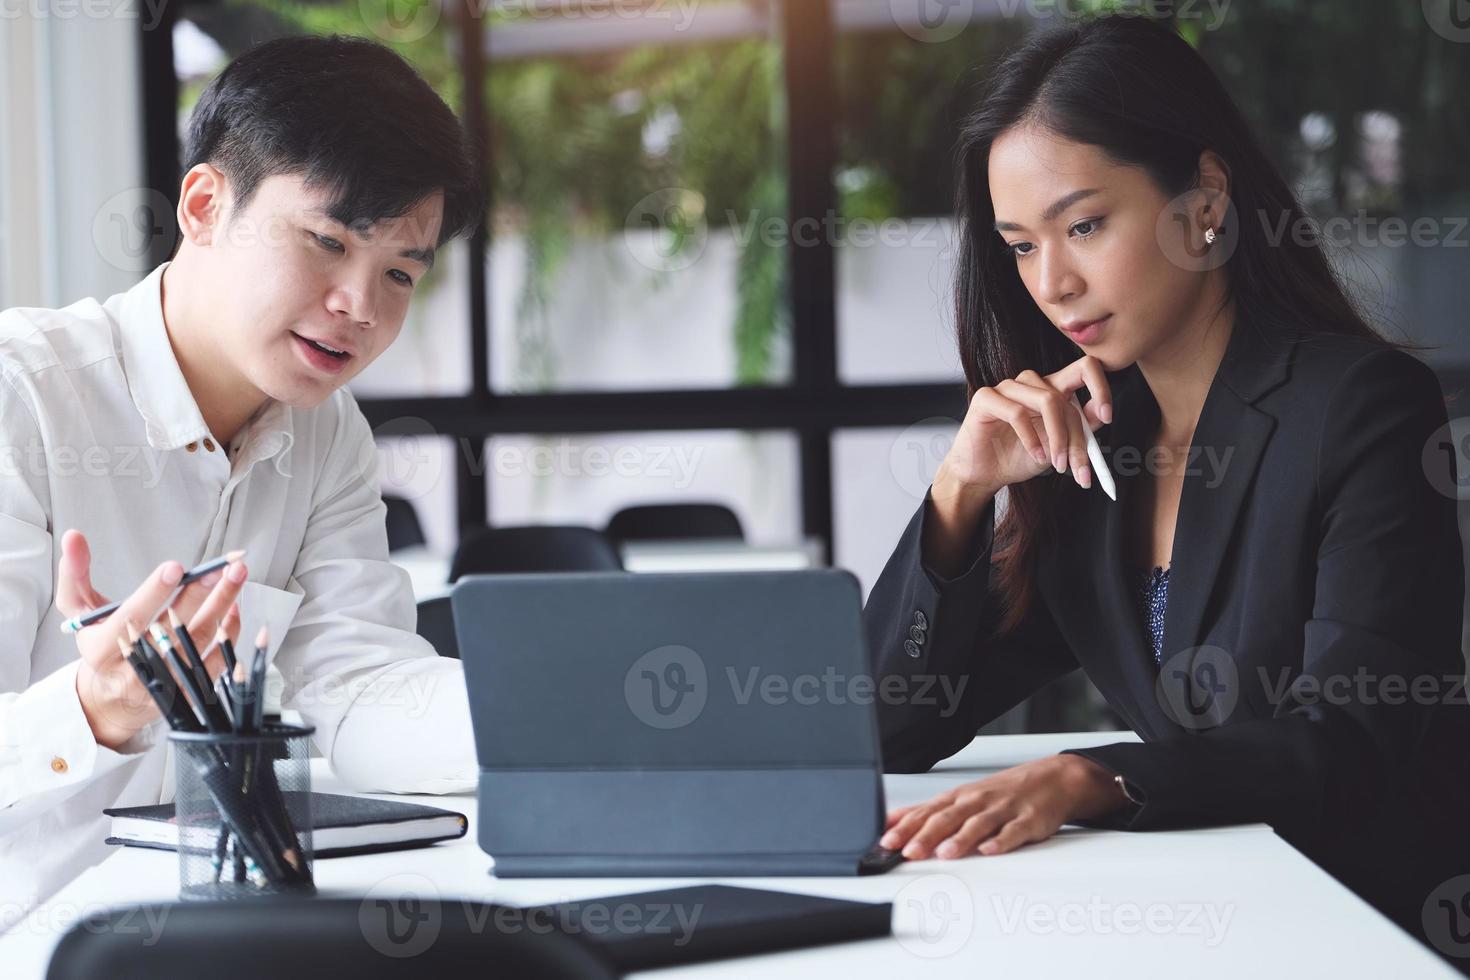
1020 805
1019 428
1011 433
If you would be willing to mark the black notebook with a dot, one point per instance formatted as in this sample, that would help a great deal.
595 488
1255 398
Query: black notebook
340 825
645 930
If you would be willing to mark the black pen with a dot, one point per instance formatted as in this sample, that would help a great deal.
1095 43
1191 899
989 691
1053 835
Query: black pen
257 678
77 623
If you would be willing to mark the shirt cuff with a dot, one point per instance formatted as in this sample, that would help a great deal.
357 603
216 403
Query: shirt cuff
53 741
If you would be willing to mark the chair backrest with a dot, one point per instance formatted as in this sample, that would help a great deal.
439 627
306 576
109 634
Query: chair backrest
661 522
306 939
535 548
404 529
436 624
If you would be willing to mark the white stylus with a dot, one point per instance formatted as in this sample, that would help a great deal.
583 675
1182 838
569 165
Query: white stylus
1095 456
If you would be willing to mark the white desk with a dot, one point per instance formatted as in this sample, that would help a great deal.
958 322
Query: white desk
1223 902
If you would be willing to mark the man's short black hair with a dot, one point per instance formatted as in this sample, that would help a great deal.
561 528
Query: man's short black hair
348 116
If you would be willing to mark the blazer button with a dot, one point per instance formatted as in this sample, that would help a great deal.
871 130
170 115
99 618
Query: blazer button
58 764
911 648
917 634
920 620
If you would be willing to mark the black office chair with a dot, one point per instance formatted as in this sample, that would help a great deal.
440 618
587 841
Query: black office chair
404 529
662 522
536 548
436 624
307 939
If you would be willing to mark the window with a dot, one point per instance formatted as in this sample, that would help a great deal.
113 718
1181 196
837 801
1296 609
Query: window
638 224
586 478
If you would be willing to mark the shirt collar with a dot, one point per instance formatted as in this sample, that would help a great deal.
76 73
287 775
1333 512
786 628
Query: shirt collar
161 394
269 434
155 381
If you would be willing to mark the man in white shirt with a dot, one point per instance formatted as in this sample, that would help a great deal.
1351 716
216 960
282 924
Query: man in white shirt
204 410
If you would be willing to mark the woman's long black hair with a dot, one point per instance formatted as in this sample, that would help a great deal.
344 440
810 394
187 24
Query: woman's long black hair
1139 93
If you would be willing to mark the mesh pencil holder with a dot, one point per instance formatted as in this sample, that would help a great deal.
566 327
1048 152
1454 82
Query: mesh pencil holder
243 808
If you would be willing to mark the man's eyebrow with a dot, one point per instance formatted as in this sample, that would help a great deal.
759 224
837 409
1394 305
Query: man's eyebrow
1061 204
424 255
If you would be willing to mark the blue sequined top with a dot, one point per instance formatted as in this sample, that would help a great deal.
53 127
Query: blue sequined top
1154 597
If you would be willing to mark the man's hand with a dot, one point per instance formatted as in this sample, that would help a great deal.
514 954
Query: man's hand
114 701
1020 805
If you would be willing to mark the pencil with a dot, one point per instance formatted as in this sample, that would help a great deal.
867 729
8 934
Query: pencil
77 623
191 653
196 697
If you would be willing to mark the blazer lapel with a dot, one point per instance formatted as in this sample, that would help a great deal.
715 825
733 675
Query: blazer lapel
1226 450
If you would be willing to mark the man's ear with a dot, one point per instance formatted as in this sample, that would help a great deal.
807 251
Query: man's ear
203 201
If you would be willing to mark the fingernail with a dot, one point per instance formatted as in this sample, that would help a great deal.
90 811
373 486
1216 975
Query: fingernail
889 840
1105 413
1040 454
173 573
1084 473
1060 462
989 847
948 849
237 572
913 850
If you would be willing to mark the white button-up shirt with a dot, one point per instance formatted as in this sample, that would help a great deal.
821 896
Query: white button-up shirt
99 432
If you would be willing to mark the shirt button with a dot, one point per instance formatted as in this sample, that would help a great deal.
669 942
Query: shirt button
58 764
209 445
193 447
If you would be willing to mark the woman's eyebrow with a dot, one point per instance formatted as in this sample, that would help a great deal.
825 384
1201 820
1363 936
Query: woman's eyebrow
1060 205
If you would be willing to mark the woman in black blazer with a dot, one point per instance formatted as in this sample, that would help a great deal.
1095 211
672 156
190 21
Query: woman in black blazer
1298 662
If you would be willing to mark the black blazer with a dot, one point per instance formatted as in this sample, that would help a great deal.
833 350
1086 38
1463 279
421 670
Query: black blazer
1320 541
